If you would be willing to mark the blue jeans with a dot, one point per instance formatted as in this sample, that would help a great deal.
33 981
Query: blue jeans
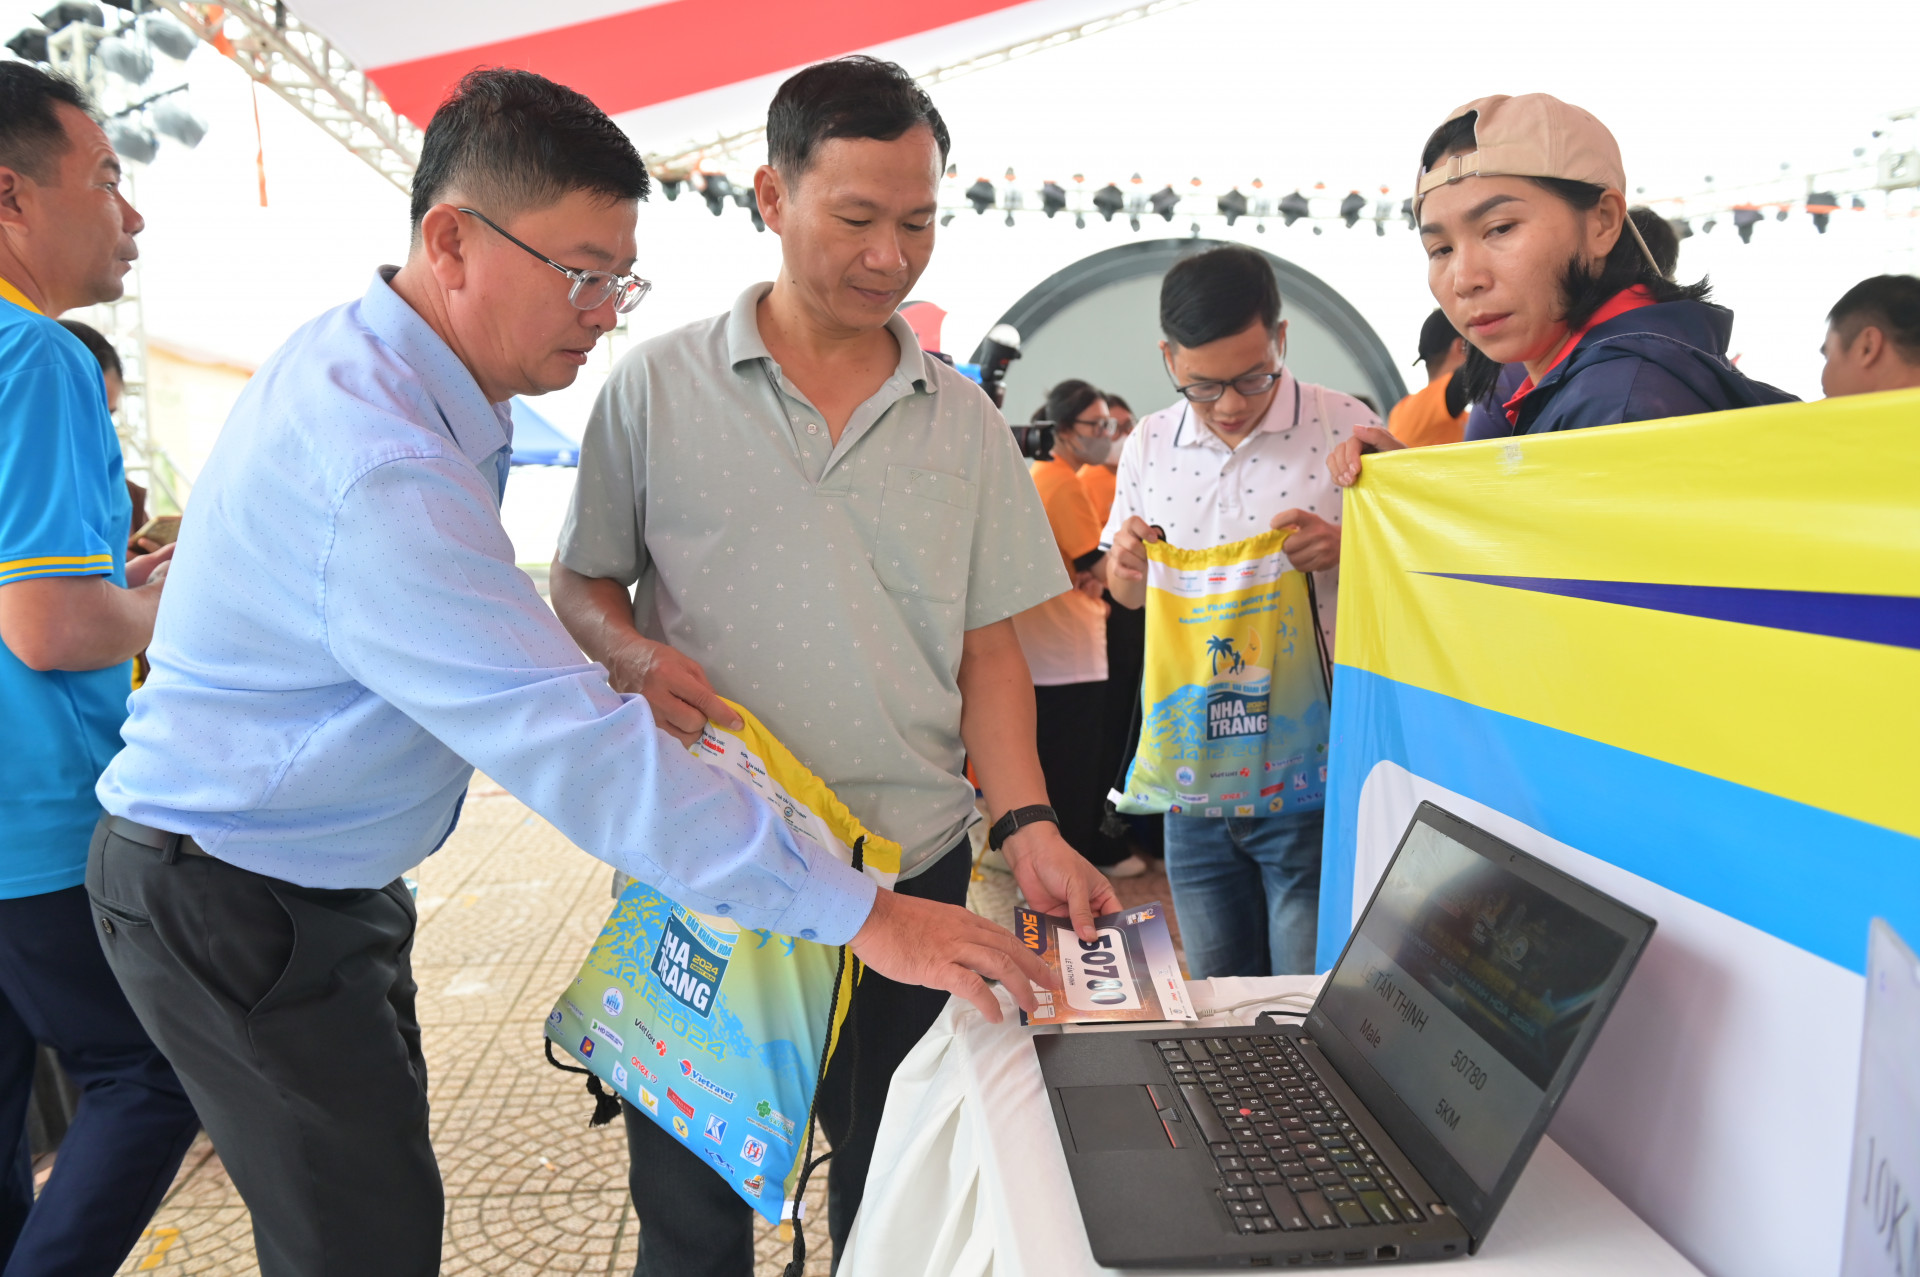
1246 890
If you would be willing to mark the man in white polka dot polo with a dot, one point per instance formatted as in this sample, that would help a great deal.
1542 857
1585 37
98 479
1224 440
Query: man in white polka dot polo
1243 450
834 529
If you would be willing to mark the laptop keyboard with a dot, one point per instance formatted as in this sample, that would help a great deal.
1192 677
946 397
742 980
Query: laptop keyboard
1288 1157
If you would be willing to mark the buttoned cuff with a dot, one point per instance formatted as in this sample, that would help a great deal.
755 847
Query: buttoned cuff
831 905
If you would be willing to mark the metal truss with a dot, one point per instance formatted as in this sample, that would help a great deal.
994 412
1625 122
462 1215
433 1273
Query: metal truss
312 76
727 145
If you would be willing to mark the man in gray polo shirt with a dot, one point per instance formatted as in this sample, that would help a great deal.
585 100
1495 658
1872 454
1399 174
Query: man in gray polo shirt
833 529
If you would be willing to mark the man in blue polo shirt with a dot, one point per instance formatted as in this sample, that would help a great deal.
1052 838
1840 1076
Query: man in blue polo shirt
73 613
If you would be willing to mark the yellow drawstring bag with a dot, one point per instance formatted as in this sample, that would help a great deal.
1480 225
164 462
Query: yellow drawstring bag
1234 698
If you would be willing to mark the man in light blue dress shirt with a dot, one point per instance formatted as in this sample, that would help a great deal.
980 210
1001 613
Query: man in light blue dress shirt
347 637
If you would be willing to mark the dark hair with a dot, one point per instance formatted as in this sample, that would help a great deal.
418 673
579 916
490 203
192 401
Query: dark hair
32 139
1065 402
857 97
1583 288
513 140
1217 293
1115 401
97 345
1890 303
1437 336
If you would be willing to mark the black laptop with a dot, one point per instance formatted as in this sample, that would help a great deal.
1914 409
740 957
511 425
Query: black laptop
1393 1122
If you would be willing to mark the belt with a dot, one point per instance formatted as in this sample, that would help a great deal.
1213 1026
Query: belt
159 839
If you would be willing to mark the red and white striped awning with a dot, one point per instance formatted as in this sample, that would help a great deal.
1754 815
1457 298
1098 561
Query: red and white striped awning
672 71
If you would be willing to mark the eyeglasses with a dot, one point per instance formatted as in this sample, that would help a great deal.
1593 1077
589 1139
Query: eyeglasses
591 288
1251 386
1107 426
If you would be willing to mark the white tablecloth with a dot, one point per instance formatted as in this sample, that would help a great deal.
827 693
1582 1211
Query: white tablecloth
968 1177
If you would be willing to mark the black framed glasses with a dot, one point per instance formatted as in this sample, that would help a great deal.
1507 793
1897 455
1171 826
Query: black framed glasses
591 288
1251 386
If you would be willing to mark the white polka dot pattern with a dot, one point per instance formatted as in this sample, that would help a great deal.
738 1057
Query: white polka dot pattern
1176 473
825 586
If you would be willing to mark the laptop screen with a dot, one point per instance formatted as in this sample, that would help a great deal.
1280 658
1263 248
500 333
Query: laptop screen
1467 984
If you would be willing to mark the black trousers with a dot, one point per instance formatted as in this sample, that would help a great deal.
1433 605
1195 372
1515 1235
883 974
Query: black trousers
288 1013
134 1122
1068 720
692 1224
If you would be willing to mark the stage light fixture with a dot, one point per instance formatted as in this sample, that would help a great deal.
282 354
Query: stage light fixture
1823 205
1681 230
715 189
30 45
980 195
1080 221
1232 205
175 119
167 36
1858 203
1406 211
68 12
946 219
1108 200
1163 202
1744 220
752 203
131 140
1382 214
1053 197
1706 227
1351 207
1781 216
1293 207
121 56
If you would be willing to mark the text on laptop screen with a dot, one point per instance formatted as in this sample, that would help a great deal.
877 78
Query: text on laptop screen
1464 988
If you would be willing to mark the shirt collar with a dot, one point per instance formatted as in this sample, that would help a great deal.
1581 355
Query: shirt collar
1628 299
479 428
18 298
744 341
1281 415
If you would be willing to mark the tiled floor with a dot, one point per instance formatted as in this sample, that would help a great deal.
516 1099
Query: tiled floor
507 911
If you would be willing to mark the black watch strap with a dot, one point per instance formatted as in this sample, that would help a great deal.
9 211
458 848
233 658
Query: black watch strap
1005 827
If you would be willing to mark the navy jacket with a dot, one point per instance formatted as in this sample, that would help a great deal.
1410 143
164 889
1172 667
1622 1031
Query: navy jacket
1664 360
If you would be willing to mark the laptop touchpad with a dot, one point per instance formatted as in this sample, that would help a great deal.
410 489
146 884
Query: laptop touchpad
1105 1119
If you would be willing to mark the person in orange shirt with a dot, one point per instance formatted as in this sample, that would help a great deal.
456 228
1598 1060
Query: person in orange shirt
1438 413
1099 480
1065 638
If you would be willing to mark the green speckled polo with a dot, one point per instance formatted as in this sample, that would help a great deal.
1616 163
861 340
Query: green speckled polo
826 588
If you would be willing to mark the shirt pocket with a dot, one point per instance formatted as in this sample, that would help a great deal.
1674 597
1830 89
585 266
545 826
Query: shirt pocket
924 543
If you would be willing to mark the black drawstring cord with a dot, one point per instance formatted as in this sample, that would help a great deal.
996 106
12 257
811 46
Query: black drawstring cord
606 1106
797 1266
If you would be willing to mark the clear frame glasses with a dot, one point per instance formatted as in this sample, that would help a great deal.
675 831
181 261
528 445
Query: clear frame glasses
1107 426
591 288
1251 386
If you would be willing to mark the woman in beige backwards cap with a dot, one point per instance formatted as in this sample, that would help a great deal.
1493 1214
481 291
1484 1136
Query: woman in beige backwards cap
1523 214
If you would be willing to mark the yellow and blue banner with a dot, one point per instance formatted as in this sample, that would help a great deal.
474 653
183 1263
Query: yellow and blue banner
1688 648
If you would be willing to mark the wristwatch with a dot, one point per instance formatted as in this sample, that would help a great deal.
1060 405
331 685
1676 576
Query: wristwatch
1005 827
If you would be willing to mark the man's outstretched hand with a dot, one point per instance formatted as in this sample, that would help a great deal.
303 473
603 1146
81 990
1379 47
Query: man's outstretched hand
1058 880
946 947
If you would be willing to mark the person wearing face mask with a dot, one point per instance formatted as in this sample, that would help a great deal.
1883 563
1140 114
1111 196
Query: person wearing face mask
1098 480
1531 254
1065 638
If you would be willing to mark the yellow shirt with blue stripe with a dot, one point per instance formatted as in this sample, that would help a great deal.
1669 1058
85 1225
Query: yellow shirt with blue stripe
64 511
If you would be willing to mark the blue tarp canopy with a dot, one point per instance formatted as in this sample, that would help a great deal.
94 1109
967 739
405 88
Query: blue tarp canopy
538 442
